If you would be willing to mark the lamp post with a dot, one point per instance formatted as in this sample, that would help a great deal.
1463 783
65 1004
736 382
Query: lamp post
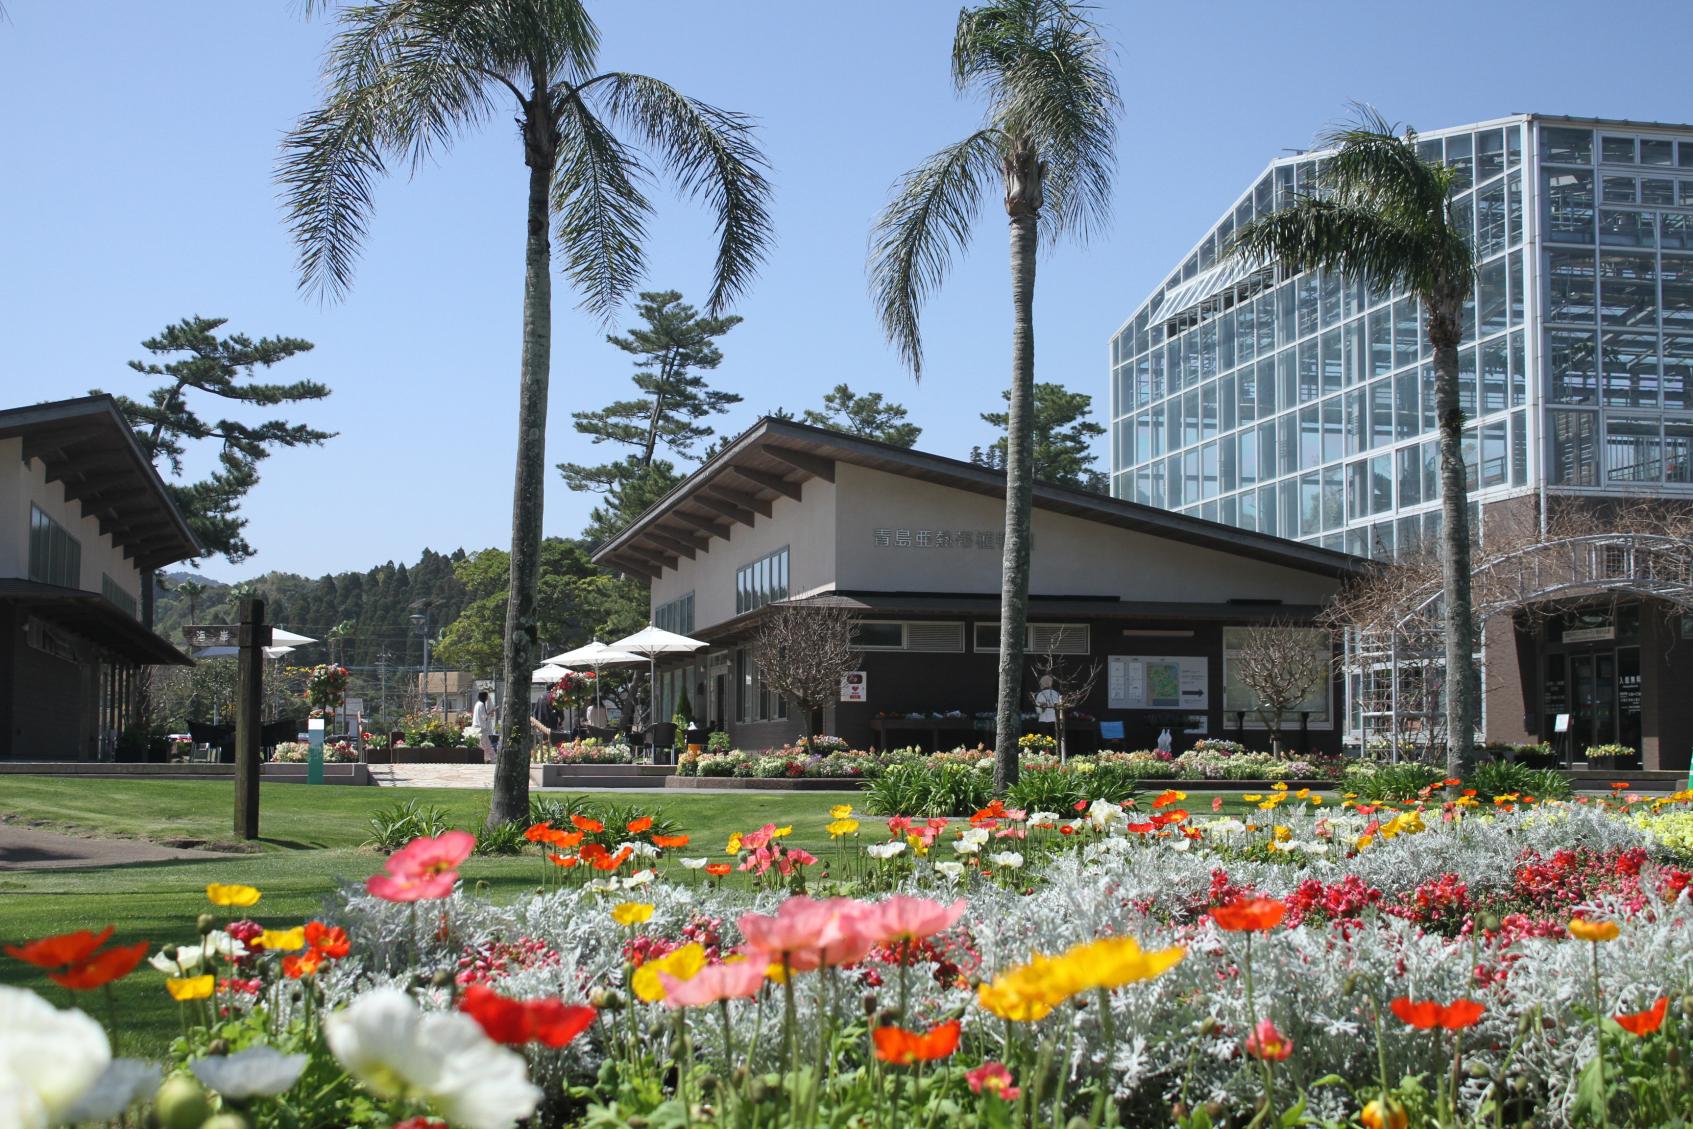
420 620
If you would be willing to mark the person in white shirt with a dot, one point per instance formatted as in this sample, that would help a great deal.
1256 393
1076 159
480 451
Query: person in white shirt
482 717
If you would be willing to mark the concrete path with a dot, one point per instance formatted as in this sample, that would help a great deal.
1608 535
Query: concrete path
26 848
482 776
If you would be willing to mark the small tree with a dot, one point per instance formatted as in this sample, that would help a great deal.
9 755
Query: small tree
803 650
1282 668
1062 686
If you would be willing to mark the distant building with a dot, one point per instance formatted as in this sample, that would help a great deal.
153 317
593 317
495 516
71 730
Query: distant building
452 691
82 514
911 543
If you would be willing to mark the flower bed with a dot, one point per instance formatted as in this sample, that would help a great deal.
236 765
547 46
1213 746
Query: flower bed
299 752
1455 960
587 751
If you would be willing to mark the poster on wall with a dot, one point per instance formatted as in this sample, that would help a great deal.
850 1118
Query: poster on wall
1146 682
854 686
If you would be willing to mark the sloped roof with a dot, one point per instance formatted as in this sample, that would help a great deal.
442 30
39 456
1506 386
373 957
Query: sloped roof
775 457
87 445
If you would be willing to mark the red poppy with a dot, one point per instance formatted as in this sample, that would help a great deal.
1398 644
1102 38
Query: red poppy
330 940
566 861
564 838
993 811
1249 915
550 1022
644 823
717 869
1643 1023
593 851
1426 1014
612 862
668 841
66 948
296 965
102 968
583 823
538 832
902 1047
420 1123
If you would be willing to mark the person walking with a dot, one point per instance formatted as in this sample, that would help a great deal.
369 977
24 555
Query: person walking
482 717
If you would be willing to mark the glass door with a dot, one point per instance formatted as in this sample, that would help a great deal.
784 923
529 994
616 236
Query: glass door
1593 700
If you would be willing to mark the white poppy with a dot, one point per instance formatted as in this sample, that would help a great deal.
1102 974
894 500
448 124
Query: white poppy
177 960
1010 860
604 886
257 1072
1045 817
48 1059
639 878
224 945
124 1082
1180 843
693 864
640 848
884 850
953 870
1103 813
443 1057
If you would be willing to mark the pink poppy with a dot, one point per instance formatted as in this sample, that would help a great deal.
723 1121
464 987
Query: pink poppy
810 933
899 825
732 980
902 918
1267 1043
424 869
993 1078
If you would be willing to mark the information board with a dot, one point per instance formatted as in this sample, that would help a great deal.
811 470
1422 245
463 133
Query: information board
1157 682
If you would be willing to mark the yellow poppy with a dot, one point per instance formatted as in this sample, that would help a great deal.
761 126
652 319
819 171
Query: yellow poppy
220 895
1111 962
841 826
1596 931
840 811
781 832
679 964
284 940
631 913
191 988
734 846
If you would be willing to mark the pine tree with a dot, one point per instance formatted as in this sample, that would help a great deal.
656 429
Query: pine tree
1063 435
867 416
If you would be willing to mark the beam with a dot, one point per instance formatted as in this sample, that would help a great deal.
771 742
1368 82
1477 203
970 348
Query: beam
655 557
769 481
800 460
105 490
622 564
745 501
681 548
712 528
69 469
727 509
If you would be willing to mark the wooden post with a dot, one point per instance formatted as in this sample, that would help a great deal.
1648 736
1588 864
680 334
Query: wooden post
249 696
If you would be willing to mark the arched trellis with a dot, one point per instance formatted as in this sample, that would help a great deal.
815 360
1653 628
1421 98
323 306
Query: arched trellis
1395 666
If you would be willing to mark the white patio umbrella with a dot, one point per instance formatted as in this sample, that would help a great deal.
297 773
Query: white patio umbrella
650 642
281 638
551 672
595 655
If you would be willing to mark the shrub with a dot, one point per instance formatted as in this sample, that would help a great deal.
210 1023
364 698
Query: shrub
1047 789
394 826
506 839
557 810
1393 783
1500 778
929 790
718 742
1108 781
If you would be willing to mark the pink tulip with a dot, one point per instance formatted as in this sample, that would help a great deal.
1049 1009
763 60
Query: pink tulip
424 869
810 933
733 980
902 918
1267 1043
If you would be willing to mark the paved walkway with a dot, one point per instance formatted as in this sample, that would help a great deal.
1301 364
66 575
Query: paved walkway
26 848
482 776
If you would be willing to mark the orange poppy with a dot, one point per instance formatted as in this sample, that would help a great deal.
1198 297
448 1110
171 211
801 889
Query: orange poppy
66 948
303 964
902 1047
593 851
1596 931
566 861
668 841
101 968
330 940
644 823
1643 1023
1249 915
538 832
564 838
583 823
1426 1014
612 862
717 869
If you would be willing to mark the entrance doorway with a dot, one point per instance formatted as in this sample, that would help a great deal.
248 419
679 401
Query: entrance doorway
1593 699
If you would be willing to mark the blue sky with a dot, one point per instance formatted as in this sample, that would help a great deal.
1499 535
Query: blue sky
141 138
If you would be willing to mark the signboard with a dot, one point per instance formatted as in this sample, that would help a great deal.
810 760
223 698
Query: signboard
855 686
1590 634
1149 682
1561 723
893 537
221 635
314 751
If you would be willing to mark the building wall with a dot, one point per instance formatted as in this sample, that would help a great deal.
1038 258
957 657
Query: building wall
24 483
806 527
1071 556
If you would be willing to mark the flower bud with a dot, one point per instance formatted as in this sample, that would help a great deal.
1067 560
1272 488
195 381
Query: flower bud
181 1103
606 999
226 1120
443 978
205 923
1476 1068
1208 1026
1350 984
1078 1122
1491 923
218 1047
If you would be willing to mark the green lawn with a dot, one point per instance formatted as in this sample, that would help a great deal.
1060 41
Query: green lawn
310 843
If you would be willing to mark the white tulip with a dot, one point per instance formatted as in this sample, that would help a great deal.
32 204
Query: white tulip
257 1072
48 1059
396 1050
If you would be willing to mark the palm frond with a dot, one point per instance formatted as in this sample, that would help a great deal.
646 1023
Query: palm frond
330 162
915 237
713 157
600 211
1353 239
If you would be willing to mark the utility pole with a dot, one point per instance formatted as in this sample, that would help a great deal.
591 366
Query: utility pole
382 661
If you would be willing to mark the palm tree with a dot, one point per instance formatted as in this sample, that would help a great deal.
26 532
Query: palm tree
1383 213
1050 132
191 590
402 79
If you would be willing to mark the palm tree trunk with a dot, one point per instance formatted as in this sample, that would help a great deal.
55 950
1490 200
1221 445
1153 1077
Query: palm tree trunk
1022 201
1454 542
510 799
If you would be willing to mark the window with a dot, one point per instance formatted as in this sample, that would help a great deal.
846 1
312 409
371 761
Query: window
1633 452
115 593
1628 288
1574 453
761 582
677 615
1569 203
1238 698
1567 146
55 557
754 701
908 635
1039 638
1616 150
